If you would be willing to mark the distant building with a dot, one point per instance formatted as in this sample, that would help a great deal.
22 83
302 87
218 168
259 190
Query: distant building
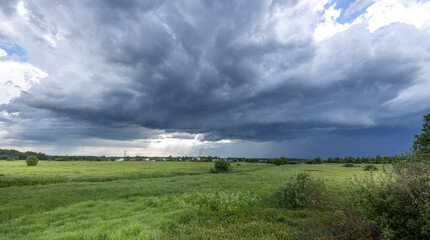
146 159
119 160
132 159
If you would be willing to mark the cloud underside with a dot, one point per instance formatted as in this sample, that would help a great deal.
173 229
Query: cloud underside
245 70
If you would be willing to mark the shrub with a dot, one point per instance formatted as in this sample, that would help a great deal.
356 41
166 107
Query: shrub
300 191
63 158
314 161
9 159
348 165
221 166
396 205
310 161
32 161
370 167
278 162
284 159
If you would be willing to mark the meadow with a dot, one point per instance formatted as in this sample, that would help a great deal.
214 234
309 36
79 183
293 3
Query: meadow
155 200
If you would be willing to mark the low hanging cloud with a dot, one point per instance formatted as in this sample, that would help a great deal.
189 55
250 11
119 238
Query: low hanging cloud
247 70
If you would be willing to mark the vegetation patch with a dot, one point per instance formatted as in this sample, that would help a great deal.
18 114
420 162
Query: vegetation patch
223 203
349 165
391 205
221 166
370 167
32 161
300 191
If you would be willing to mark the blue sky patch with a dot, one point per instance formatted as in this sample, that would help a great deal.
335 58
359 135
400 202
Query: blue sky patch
14 49
344 5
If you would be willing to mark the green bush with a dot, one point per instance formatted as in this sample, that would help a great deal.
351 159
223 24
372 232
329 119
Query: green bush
278 162
63 158
394 205
300 191
221 166
32 161
9 159
370 167
314 161
285 160
348 165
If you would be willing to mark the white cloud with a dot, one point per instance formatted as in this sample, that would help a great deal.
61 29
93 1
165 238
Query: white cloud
379 14
3 53
16 77
22 10
330 26
384 13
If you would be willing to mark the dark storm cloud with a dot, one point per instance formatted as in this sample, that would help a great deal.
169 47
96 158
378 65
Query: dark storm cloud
8 6
228 69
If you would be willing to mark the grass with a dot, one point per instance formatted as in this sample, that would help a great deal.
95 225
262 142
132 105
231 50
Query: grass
47 172
155 200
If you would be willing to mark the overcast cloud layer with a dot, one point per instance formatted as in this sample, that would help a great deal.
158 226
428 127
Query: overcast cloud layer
286 77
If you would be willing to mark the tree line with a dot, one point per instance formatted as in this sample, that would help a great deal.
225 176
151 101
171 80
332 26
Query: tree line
13 154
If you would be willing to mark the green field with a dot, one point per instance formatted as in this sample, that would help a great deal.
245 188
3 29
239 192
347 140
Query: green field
153 200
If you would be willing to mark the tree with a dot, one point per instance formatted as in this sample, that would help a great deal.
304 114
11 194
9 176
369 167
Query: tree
278 162
32 161
422 142
284 159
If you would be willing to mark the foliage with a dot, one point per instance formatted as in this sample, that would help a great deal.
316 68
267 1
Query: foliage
422 142
221 166
10 159
349 165
63 158
300 191
284 159
373 160
314 161
224 203
32 161
17 155
278 162
370 167
395 205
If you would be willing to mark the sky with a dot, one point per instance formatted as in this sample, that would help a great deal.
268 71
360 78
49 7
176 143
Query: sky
269 78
